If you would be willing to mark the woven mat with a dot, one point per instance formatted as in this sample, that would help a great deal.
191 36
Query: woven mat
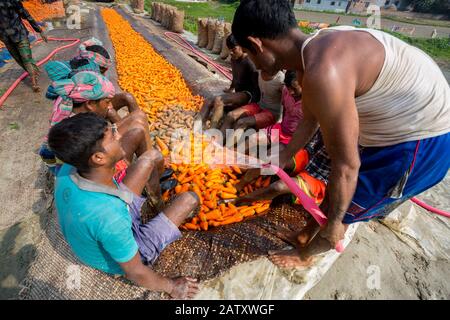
203 255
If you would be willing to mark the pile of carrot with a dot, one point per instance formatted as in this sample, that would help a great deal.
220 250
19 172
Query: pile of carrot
214 187
40 12
44 11
155 83
163 94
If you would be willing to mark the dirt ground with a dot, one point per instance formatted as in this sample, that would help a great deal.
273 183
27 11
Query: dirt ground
25 205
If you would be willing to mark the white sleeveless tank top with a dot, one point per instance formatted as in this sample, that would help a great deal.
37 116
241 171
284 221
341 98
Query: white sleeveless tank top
409 101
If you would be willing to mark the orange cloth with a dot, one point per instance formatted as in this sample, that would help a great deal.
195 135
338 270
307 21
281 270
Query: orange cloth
313 187
301 159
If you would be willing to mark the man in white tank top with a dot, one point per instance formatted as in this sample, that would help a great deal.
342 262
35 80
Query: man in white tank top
383 108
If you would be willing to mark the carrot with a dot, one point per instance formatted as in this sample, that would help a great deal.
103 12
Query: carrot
165 195
262 209
248 213
185 188
162 146
258 182
178 189
250 188
233 219
204 225
225 195
197 191
188 179
236 169
191 226
209 204
222 208
266 183
213 215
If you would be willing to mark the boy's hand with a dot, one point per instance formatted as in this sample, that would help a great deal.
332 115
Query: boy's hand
184 288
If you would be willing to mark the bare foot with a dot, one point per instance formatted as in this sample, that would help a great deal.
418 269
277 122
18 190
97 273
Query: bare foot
36 88
288 259
287 235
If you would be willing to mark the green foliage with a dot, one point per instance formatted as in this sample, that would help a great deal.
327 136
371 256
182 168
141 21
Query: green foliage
431 6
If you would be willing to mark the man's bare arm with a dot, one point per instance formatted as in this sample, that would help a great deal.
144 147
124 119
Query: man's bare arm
180 288
125 99
331 100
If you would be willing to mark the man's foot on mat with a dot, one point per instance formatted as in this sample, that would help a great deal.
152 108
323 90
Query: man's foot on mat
36 89
287 235
289 259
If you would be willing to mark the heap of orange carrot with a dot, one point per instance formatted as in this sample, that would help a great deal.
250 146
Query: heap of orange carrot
213 186
43 11
158 85
155 83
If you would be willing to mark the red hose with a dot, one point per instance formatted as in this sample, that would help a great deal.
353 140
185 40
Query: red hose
430 208
176 38
25 74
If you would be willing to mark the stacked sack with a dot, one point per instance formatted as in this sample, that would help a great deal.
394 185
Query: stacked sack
169 16
212 34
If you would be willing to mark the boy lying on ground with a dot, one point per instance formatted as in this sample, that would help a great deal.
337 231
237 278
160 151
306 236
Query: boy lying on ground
101 219
244 88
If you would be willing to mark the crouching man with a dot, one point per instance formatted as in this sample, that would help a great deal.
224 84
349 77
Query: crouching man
101 219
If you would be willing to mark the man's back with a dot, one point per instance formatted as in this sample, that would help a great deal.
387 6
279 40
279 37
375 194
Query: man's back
400 93
96 224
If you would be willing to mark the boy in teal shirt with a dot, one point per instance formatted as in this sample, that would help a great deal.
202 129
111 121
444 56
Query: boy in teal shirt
100 218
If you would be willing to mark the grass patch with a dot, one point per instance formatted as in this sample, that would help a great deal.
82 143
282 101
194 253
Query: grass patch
213 9
438 48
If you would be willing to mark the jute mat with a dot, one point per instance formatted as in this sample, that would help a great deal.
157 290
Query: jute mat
57 274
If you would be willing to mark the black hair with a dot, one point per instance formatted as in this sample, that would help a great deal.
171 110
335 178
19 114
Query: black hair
289 77
231 42
74 140
99 49
262 19
77 62
77 104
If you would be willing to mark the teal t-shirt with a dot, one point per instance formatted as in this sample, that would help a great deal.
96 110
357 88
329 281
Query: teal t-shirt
95 221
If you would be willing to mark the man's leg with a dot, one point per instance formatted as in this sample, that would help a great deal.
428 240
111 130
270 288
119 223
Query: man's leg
135 125
29 63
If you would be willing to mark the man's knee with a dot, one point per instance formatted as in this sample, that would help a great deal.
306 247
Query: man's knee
279 187
190 200
152 158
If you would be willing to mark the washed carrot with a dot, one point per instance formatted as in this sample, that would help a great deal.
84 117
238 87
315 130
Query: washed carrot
214 215
225 195
204 225
178 189
191 226
262 209
236 169
258 182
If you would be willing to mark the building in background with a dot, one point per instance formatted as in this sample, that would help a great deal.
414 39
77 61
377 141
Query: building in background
354 6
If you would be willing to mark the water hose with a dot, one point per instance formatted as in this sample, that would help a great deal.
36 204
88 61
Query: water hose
43 61
186 45
430 208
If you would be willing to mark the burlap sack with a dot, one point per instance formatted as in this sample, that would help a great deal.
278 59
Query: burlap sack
202 32
226 32
218 38
170 15
211 33
138 5
152 16
177 21
159 9
165 16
